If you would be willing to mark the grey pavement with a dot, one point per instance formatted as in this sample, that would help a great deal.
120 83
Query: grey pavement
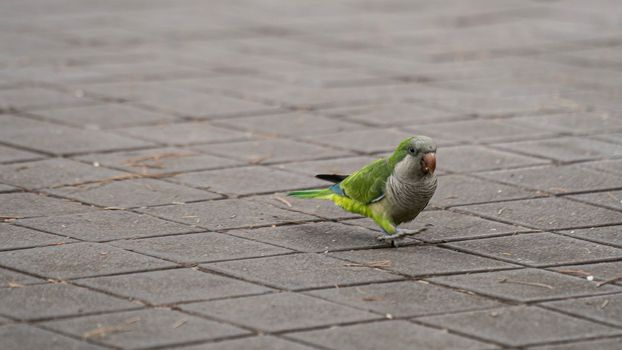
146 147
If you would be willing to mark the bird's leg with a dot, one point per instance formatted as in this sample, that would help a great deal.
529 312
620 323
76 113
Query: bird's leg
403 232
392 234
398 235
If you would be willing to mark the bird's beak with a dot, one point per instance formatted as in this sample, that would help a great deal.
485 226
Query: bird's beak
428 163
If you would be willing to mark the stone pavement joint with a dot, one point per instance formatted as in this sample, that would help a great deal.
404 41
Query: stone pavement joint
146 148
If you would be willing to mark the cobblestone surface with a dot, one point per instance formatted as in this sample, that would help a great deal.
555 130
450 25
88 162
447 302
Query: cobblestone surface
146 146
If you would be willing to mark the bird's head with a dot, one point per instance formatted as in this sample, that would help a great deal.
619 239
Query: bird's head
415 157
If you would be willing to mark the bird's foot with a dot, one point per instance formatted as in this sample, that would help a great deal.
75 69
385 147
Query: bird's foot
399 236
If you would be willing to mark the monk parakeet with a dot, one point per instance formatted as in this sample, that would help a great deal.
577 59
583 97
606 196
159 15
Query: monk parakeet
390 190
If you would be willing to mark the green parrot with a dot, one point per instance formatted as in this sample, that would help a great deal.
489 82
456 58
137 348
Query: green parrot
390 190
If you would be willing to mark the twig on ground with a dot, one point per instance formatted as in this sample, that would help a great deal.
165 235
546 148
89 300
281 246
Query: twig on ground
533 284
102 331
500 211
9 218
283 200
611 280
13 284
579 273
372 298
379 263
258 159
179 323
105 181
154 161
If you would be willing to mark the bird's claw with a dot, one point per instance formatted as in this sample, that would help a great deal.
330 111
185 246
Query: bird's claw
394 241
399 236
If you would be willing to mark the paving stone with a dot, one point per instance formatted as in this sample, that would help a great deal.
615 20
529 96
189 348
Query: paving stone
270 151
160 160
444 225
473 158
12 123
133 71
20 205
104 116
52 173
247 180
242 84
610 199
614 138
102 36
133 89
602 344
519 325
200 247
604 271
406 298
317 207
546 213
301 271
56 300
78 260
10 154
7 188
200 105
133 193
285 124
32 98
538 249
596 57
573 122
253 343
399 334
606 308
393 114
328 77
490 130
23 336
16 237
607 234
146 328
63 140
105 225
226 214
525 285
314 237
12 279
613 166
55 75
566 149
557 179
185 133
503 88
173 286
362 141
299 97
279 312
304 97
461 189
344 166
423 260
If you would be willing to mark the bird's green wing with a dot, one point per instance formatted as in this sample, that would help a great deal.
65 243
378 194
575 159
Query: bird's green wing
368 183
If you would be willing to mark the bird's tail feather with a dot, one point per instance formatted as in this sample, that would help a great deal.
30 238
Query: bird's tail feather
316 193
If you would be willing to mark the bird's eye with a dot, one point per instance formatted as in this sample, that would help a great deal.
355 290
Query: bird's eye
411 150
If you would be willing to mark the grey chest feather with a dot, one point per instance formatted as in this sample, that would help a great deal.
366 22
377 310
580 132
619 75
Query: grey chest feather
405 200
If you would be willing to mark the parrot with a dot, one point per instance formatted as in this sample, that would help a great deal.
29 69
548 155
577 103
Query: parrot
390 190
